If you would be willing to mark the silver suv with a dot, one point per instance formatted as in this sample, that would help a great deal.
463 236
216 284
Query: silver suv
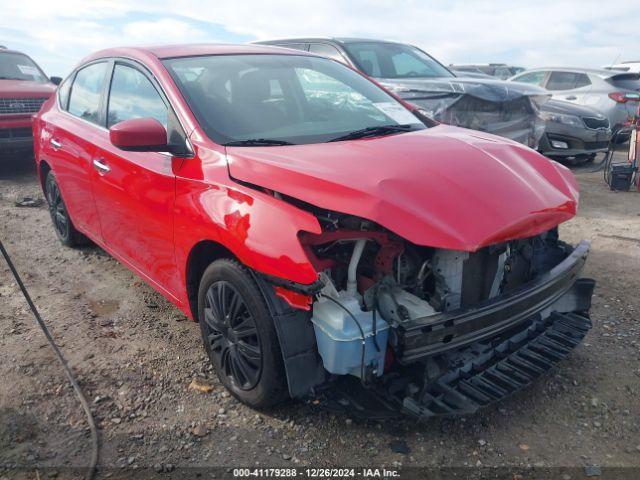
614 94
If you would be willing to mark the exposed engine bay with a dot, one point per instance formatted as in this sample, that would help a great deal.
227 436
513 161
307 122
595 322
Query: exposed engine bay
375 282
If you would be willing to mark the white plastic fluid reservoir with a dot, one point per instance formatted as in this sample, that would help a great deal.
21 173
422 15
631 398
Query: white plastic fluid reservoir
340 340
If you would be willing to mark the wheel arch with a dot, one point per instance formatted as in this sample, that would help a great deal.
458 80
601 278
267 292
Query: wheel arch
201 255
43 169
294 329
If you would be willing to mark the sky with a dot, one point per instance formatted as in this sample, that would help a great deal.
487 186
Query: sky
59 33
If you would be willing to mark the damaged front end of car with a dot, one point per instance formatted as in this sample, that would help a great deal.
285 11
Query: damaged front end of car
441 332
442 285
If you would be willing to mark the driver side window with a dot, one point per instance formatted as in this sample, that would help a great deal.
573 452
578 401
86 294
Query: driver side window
132 95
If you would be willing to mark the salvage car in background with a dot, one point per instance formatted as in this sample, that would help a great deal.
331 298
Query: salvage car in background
498 70
487 105
612 93
315 227
23 89
573 133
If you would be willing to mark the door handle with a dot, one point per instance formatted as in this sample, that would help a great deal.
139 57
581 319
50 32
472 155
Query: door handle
571 97
101 166
54 143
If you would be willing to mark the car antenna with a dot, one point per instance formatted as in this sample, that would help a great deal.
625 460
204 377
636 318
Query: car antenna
615 60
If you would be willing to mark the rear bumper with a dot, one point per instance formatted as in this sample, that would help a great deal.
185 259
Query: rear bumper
554 291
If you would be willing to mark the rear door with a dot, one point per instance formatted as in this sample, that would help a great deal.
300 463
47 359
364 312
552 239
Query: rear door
135 191
569 86
69 137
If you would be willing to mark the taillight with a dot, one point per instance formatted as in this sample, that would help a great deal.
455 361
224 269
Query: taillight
624 97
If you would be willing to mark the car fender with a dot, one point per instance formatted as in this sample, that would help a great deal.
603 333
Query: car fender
260 230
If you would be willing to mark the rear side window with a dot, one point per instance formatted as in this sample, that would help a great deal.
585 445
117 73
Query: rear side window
567 80
582 80
626 81
535 78
328 51
84 101
132 95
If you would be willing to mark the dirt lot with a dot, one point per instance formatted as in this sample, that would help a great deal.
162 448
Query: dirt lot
135 355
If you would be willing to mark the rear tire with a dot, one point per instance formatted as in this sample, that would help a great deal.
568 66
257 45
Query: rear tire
62 223
239 335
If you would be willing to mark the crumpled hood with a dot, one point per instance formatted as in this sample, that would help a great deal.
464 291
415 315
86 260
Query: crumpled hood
444 187
485 89
25 88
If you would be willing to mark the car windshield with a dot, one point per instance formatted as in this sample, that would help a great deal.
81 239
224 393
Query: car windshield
394 60
256 100
15 66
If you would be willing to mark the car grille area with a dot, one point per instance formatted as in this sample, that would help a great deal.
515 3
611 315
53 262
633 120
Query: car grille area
21 105
596 123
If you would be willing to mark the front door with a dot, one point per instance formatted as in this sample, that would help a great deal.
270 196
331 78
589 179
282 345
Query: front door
135 191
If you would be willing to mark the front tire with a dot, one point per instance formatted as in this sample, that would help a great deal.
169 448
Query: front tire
239 335
62 224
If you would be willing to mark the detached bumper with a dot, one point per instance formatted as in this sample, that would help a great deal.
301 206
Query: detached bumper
495 373
555 291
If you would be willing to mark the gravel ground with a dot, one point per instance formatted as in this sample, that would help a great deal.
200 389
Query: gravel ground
136 355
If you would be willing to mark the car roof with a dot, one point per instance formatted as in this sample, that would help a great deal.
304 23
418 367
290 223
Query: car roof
7 50
341 40
599 72
191 50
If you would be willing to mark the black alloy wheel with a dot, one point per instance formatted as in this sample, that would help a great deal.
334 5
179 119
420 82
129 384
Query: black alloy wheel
62 223
239 334
232 335
57 209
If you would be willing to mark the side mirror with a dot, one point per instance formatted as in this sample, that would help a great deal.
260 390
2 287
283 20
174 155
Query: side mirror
139 135
56 80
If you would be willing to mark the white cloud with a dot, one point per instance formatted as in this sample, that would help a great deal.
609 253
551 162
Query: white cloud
165 30
576 32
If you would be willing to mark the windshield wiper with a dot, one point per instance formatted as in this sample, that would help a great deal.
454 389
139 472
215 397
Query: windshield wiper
373 132
3 77
257 142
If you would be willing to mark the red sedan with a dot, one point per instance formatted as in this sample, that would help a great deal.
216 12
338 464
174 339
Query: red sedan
319 231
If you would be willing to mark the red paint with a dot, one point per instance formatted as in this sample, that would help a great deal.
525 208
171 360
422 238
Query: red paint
294 299
138 133
443 187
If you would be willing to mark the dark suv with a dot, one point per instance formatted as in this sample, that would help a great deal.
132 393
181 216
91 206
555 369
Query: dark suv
23 89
